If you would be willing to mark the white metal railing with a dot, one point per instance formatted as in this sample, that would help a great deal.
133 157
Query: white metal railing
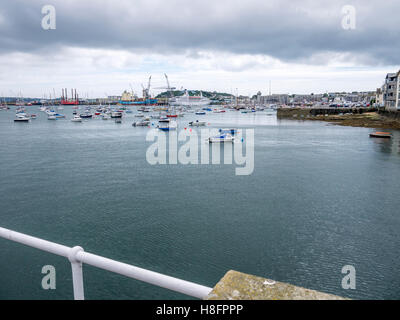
77 256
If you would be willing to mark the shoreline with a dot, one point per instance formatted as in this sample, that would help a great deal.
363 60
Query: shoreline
376 120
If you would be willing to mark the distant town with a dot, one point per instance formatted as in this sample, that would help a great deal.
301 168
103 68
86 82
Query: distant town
387 97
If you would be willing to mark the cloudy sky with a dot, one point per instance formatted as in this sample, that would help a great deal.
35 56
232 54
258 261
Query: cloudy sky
103 47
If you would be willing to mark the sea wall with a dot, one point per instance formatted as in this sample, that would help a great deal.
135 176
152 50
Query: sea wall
239 286
390 114
312 112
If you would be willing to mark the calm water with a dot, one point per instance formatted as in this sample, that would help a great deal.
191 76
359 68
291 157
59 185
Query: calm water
321 197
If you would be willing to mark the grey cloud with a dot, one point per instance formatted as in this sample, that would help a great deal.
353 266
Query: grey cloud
288 30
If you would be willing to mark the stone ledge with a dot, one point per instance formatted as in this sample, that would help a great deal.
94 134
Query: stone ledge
239 286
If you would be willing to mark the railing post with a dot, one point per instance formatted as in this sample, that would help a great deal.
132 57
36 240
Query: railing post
77 274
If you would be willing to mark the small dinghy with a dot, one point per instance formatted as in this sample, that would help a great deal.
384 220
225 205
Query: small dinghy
385 135
197 123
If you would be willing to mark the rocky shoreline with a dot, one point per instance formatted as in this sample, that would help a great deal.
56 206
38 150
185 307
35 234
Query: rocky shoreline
377 120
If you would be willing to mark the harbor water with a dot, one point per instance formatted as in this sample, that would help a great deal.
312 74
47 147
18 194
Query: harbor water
321 197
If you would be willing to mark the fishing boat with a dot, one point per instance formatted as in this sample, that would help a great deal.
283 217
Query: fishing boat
385 135
197 123
167 124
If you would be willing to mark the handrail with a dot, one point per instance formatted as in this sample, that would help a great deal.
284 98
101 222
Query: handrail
77 256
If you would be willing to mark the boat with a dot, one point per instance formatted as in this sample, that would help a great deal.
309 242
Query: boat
222 138
197 123
142 123
105 116
86 115
232 132
118 120
33 116
200 113
116 114
76 119
385 135
187 100
167 124
21 118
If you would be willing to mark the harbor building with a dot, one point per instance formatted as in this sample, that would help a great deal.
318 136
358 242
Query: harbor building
391 91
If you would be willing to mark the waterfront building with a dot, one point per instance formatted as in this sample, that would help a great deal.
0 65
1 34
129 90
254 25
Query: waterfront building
379 102
391 91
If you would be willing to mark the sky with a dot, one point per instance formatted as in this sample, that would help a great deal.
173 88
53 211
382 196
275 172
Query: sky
103 47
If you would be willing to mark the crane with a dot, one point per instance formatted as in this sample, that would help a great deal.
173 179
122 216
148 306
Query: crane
168 87
146 91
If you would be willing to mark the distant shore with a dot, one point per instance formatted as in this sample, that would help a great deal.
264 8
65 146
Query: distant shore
379 120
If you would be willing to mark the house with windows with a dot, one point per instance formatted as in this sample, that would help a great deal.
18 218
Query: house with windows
391 91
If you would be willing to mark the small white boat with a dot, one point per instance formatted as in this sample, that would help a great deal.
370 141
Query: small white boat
143 123
21 118
223 138
200 113
197 123
106 117
76 119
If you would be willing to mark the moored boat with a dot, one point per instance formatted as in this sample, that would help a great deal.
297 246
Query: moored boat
76 119
21 118
197 123
222 138
385 135
167 124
